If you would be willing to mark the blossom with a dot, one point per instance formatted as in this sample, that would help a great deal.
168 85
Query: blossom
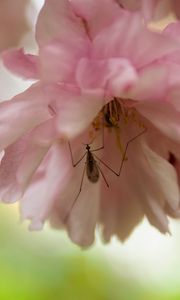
153 9
97 75
13 22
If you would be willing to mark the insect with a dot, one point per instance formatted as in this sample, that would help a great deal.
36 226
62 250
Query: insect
92 168
92 165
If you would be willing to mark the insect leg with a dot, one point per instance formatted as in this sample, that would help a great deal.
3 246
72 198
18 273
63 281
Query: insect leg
101 161
102 147
80 189
126 148
124 155
73 163
103 176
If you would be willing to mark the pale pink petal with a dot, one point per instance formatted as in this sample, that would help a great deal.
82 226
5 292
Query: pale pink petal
120 209
147 181
136 44
120 213
174 75
173 30
75 110
152 83
24 65
156 215
48 183
57 20
75 18
165 175
162 190
21 114
82 220
97 15
78 214
113 75
30 161
22 158
39 142
164 116
130 4
151 10
10 190
58 59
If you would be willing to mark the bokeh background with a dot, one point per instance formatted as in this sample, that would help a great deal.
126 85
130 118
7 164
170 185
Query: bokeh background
46 265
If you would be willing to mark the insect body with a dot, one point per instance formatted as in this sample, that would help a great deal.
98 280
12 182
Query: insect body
92 170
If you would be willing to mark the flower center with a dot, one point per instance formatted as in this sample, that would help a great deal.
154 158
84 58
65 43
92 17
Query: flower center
109 117
115 116
111 113
115 111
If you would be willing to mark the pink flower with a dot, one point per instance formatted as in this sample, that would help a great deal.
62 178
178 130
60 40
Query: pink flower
99 70
153 9
13 22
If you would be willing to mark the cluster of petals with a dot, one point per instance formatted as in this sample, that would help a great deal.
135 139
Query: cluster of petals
153 9
13 22
91 52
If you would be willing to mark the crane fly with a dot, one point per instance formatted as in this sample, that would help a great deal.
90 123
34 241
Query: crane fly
92 167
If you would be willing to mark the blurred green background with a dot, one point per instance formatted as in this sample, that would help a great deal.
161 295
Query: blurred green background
45 265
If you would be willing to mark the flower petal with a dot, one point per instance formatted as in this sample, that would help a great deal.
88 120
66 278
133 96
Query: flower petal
165 176
173 30
147 181
120 209
163 115
21 114
78 205
24 65
39 142
82 219
152 83
46 186
156 215
57 20
10 190
58 59
114 75
97 15
136 44
75 110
